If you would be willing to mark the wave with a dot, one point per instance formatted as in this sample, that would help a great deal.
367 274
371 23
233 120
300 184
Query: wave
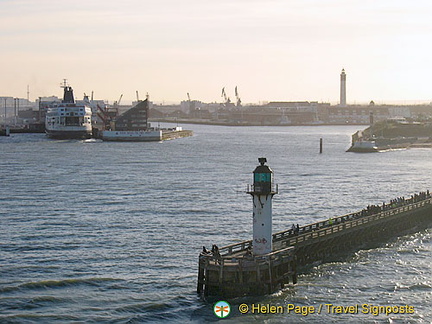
37 318
418 286
57 283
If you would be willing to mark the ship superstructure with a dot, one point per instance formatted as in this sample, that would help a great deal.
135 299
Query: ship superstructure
68 120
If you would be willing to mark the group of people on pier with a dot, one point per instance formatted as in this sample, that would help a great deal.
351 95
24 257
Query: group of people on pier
295 229
369 210
394 203
214 251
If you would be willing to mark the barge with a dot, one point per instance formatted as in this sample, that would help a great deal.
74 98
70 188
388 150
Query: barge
269 261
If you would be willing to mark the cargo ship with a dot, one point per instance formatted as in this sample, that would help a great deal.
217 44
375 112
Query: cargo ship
270 261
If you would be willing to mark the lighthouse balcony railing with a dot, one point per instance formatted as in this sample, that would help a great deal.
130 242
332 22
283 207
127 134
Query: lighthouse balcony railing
274 189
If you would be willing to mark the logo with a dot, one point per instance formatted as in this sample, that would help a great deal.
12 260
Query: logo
222 309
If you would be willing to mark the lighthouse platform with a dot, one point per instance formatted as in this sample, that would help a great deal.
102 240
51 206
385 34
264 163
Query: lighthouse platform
236 270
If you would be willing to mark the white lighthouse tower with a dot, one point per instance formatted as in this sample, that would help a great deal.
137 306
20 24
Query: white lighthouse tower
342 102
262 192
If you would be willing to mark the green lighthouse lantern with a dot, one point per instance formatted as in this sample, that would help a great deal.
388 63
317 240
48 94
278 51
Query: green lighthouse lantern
263 179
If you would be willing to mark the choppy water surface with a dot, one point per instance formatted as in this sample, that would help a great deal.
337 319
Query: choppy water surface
110 232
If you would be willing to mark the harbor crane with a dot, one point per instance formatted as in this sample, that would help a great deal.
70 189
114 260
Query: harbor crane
191 104
117 103
226 98
238 98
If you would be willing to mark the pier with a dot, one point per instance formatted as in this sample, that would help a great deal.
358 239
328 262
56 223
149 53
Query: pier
236 270
323 240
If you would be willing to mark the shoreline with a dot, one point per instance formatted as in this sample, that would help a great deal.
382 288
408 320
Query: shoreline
227 123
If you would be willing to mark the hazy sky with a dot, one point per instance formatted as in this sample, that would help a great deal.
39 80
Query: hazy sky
271 49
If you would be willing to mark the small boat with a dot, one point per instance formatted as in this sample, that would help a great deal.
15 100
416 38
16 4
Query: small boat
68 120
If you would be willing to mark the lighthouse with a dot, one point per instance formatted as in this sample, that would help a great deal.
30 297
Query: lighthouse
262 192
342 102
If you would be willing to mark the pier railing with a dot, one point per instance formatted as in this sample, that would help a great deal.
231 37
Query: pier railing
236 247
227 255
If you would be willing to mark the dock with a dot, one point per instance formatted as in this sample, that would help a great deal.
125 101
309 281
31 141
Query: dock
173 134
235 270
149 135
133 126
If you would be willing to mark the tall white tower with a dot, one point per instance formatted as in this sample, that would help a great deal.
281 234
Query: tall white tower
342 89
262 191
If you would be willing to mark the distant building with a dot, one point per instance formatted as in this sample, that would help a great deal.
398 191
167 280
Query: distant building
134 119
361 114
10 107
277 113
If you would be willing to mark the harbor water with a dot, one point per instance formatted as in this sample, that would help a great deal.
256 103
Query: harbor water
106 232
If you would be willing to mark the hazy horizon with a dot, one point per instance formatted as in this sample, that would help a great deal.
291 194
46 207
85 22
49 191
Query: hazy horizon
271 50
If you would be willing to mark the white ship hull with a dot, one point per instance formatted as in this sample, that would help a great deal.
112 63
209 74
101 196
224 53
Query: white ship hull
69 132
